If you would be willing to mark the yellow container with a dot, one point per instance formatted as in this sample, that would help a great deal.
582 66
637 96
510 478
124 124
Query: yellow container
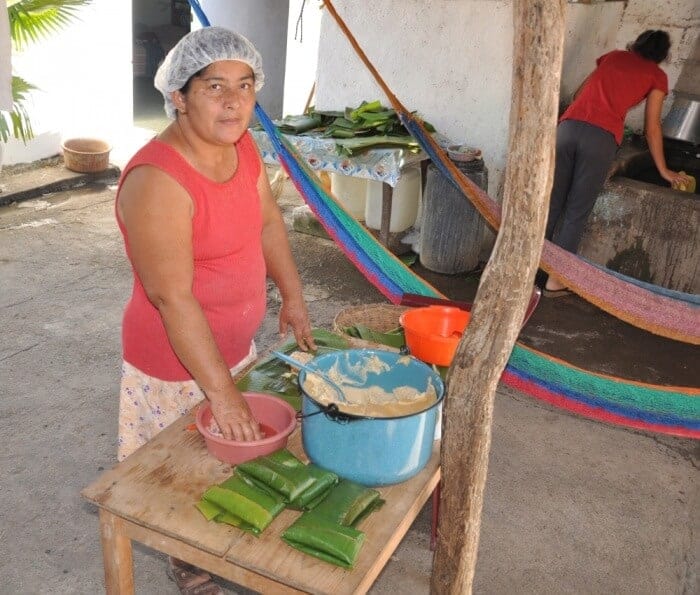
404 205
351 192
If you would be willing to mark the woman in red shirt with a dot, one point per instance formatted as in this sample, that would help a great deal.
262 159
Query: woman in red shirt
202 232
590 131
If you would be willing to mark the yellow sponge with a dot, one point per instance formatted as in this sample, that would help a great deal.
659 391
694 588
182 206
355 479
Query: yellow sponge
685 187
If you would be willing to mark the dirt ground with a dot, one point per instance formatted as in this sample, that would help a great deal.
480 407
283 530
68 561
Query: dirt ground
572 505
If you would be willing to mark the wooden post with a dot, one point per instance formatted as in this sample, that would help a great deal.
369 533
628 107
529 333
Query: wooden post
504 291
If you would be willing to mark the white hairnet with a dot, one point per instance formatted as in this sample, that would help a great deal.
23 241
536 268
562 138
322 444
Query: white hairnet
196 51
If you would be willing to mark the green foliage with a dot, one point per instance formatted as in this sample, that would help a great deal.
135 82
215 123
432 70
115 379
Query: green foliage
31 21
16 122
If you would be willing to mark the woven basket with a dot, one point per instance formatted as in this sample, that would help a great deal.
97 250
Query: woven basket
378 317
86 155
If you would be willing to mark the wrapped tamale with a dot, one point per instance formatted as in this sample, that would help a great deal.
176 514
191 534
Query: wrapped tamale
325 540
213 512
284 473
312 496
284 479
246 502
348 503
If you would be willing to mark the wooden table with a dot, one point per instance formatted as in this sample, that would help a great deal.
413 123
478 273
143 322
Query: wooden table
150 498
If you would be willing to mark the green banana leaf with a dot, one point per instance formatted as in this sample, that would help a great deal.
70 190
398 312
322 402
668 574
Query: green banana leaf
280 473
290 482
393 338
286 458
246 502
234 521
212 512
325 540
354 146
298 124
313 495
348 503
365 106
273 376
208 509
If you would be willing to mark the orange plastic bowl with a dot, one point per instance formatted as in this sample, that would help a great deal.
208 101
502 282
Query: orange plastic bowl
433 333
278 415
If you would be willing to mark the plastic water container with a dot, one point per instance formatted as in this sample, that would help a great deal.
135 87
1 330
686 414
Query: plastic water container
351 192
404 205
451 227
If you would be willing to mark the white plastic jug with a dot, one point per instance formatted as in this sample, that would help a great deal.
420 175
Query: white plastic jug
404 205
351 192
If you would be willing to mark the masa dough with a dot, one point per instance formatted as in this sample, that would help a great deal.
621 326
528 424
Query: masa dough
369 401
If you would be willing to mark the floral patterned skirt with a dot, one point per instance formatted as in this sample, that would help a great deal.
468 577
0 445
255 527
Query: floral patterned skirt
147 405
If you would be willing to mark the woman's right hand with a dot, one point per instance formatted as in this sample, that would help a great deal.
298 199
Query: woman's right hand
675 178
234 418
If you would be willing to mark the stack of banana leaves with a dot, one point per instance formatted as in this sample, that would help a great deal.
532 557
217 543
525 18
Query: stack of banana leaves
358 129
260 489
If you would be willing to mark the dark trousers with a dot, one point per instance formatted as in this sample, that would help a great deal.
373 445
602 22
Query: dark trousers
584 155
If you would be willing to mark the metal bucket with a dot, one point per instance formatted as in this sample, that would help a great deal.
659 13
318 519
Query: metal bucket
372 451
683 119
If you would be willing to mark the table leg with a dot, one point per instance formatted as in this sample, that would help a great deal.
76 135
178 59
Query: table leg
116 554
387 197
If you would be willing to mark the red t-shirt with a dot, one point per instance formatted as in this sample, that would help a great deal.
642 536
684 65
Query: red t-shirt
621 81
229 268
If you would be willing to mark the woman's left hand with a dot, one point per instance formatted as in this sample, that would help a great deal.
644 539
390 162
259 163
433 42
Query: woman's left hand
295 314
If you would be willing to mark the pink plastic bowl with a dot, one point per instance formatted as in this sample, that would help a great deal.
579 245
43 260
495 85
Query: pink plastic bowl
269 410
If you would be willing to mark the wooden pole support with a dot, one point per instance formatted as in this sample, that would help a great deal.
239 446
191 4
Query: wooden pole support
504 290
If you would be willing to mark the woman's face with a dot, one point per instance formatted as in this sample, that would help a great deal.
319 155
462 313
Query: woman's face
219 102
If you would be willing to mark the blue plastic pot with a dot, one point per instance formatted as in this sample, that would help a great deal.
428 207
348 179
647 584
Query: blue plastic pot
369 450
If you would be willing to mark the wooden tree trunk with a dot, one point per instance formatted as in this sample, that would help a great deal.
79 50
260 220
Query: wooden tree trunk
505 288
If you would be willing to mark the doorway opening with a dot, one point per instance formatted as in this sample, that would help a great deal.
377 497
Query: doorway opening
157 25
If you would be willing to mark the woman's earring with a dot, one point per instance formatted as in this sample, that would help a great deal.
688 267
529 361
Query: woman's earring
179 102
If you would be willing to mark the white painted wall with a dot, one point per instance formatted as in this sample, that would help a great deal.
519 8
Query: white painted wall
450 61
302 54
591 30
84 79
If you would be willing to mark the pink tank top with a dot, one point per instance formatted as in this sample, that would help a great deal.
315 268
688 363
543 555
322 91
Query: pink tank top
229 268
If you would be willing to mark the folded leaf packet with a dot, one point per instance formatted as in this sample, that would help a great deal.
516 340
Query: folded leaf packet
242 501
314 494
213 512
325 540
300 485
348 503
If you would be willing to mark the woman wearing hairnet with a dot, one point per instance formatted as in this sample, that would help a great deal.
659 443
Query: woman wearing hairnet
202 230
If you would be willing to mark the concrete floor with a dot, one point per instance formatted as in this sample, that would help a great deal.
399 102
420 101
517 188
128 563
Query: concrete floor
572 506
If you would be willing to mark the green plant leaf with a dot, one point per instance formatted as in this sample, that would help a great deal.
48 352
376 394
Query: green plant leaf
16 122
31 20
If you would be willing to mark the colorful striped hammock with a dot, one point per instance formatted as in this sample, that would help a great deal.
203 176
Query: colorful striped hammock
669 410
